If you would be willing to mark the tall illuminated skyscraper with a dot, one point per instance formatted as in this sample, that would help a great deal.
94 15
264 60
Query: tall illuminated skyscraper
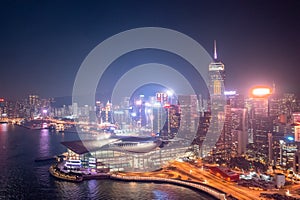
33 100
189 113
106 113
216 73
260 123
3 108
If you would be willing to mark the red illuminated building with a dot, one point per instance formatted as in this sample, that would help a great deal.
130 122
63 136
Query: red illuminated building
224 173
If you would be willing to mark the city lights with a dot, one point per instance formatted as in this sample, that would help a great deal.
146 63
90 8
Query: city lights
138 102
232 92
101 100
261 91
148 104
156 105
170 93
167 105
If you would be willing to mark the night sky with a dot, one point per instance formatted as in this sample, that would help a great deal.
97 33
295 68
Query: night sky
43 43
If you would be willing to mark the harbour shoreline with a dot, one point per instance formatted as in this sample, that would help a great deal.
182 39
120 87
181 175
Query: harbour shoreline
54 171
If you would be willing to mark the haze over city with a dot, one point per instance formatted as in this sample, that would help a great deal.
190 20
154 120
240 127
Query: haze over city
43 43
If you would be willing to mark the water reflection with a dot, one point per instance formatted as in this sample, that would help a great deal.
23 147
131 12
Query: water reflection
3 143
93 187
158 194
3 127
44 142
22 178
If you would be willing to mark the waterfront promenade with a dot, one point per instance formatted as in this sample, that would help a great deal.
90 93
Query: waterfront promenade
187 175
214 192
76 177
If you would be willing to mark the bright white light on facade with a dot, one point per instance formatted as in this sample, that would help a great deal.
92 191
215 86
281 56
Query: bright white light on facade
229 92
148 104
170 93
156 104
261 91
138 102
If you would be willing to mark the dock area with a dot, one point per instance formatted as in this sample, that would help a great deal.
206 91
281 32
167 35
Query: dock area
56 172
75 177
81 176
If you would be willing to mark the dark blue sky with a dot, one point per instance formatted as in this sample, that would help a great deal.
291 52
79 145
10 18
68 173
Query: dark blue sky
42 43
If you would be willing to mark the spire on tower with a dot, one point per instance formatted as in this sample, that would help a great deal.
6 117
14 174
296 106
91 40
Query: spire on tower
274 88
215 50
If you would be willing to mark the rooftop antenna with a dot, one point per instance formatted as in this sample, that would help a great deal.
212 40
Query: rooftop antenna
274 88
215 50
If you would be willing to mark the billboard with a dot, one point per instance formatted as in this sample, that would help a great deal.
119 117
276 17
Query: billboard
260 91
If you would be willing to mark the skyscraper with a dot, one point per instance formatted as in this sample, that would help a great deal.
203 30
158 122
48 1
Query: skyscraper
189 113
260 122
3 108
106 113
239 129
222 150
33 100
216 73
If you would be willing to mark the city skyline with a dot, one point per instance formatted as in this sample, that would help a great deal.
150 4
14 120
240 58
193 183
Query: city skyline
199 94
44 43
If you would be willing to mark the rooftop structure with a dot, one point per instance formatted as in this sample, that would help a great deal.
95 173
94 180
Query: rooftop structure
225 173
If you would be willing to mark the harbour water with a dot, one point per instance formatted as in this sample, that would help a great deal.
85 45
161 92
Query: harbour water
22 178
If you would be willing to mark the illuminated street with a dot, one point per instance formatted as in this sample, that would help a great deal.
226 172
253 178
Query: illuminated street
180 169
